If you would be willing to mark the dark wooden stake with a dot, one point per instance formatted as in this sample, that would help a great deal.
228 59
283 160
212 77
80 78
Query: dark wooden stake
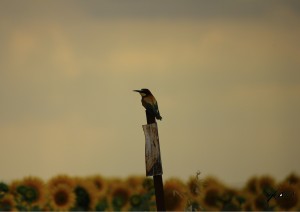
158 181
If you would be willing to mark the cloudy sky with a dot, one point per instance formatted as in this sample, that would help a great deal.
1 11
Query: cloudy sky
226 75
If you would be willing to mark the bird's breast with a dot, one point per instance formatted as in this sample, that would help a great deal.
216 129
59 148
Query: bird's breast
149 99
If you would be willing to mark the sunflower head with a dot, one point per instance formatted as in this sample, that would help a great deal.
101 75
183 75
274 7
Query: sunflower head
30 190
99 183
7 203
62 198
120 197
286 196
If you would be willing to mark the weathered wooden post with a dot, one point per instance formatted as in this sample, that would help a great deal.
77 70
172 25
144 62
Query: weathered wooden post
153 159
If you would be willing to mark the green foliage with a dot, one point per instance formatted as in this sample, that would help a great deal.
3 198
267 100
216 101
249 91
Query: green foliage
27 193
82 199
102 205
142 202
3 189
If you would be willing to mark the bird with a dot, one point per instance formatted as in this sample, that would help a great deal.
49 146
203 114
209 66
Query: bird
149 102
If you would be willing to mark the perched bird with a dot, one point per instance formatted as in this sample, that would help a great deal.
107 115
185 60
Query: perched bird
149 102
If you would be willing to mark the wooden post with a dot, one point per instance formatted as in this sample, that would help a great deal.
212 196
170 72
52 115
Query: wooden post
157 168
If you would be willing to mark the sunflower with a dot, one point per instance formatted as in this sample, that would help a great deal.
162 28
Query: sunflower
62 197
61 180
99 183
31 190
175 194
7 203
119 197
287 196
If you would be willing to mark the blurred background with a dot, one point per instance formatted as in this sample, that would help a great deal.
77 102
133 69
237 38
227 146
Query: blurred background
225 74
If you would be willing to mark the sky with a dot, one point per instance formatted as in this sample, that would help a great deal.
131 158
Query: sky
226 75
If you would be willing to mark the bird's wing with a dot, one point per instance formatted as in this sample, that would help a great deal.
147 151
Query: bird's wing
150 104
157 113
150 108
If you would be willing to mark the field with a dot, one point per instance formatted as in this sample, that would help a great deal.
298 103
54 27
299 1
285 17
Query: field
136 193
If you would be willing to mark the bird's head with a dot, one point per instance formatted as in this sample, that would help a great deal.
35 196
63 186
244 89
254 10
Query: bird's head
144 92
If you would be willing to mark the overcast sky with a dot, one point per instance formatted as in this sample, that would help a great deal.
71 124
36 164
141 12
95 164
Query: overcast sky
226 75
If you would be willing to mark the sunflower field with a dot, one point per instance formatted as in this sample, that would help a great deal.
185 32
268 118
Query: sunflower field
136 193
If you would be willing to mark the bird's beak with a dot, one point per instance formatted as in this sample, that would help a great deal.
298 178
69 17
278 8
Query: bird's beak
137 91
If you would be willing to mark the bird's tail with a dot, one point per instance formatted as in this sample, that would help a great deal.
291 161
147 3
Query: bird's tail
158 116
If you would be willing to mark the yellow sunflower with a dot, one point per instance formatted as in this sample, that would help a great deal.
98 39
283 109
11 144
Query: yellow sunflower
119 197
287 197
100 184
175 194
7 203
30 190
61 197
